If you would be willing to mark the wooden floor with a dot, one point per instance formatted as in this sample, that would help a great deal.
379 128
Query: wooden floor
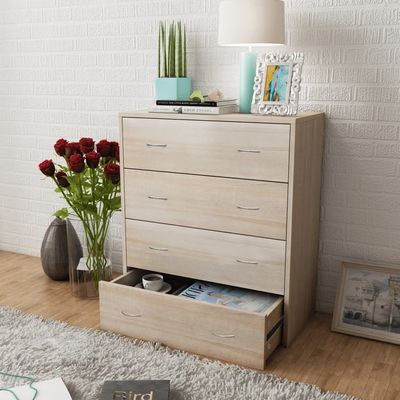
363 368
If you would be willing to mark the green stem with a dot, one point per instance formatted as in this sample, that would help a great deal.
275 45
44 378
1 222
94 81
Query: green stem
164 46
159 51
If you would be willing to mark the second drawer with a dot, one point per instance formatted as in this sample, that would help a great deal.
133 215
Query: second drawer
235 260
230 205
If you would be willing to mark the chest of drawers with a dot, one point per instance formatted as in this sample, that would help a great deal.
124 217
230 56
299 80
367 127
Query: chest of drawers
231 199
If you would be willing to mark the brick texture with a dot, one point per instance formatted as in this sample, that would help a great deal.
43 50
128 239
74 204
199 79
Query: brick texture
67 67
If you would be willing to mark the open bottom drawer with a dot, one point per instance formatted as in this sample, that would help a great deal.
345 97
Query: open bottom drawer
229 334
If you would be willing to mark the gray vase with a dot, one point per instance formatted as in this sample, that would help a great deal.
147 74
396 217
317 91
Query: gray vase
59 244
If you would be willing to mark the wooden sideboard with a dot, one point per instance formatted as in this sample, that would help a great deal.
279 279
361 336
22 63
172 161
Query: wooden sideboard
231 199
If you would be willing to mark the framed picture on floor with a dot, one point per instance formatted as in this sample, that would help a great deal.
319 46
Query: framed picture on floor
277 84
368 302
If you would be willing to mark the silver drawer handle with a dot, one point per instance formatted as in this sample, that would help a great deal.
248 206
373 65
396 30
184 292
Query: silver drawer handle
158 248
223 336
239 260
248 208
156 145
125 314
249 151
157 198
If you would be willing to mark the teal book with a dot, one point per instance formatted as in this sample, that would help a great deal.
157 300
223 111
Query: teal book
229 296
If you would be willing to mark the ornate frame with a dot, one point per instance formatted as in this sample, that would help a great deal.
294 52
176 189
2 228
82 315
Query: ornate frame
289 107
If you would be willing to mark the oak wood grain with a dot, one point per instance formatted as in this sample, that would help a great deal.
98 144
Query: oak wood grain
235 117
227 149
238 260
305 168
229 205
230 334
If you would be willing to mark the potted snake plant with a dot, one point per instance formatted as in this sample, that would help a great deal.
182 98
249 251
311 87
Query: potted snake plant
172 82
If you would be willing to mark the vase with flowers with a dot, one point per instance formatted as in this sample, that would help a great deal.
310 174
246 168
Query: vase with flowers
89 182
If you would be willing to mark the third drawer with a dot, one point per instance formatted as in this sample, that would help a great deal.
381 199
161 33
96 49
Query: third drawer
236 260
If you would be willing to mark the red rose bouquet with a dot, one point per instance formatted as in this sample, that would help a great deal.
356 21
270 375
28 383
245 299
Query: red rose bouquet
90 184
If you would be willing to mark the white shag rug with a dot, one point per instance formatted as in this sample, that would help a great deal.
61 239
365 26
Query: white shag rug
85 358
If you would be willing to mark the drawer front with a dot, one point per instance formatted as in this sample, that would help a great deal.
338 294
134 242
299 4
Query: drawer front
229 149
234 260
212 330
229 205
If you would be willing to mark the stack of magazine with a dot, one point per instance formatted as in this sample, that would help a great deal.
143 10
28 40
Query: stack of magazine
229 296
228 106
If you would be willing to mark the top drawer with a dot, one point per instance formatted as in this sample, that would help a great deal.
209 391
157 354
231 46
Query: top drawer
228 149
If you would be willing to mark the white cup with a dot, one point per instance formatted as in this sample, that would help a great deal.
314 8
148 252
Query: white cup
152 282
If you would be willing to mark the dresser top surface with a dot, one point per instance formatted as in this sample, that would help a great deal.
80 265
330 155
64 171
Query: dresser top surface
237 117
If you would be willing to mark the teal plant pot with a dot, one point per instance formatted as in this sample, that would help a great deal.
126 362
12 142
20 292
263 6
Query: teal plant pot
173 88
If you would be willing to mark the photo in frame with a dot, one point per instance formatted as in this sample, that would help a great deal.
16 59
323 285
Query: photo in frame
277 84
368 302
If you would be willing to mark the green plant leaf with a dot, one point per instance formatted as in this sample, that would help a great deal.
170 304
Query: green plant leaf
184 53
164 48
159 52
62 213
179 44
115 203
90 208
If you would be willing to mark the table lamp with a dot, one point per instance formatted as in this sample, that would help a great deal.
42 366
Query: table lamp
250 23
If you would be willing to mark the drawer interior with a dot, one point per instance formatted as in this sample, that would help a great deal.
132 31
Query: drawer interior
134 277
178 283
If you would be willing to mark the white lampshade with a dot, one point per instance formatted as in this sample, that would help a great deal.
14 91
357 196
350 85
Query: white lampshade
251 23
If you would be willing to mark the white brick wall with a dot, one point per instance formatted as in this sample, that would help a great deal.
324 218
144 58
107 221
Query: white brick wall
67 67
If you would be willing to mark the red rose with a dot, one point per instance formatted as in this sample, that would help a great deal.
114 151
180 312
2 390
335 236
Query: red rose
62 179
93 159
112 172
86 145
104 148
47 167
72 148
60 146
76 163
115 150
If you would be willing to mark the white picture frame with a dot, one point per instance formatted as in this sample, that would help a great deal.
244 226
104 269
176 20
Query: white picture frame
368 302
277 84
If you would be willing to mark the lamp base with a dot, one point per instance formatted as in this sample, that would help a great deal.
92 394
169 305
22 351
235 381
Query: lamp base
248 63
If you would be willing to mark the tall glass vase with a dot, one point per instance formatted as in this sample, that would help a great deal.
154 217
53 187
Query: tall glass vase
86 272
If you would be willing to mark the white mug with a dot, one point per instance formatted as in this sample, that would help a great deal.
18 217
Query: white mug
152 282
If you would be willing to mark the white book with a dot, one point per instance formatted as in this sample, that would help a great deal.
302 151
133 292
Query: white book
53 389
210 110
166 109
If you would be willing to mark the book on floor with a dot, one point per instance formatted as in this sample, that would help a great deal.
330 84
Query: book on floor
135 390
229 296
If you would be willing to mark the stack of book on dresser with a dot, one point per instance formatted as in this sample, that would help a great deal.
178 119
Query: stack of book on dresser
228 106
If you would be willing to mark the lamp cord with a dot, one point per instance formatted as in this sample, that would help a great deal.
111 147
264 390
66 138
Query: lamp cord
31 382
